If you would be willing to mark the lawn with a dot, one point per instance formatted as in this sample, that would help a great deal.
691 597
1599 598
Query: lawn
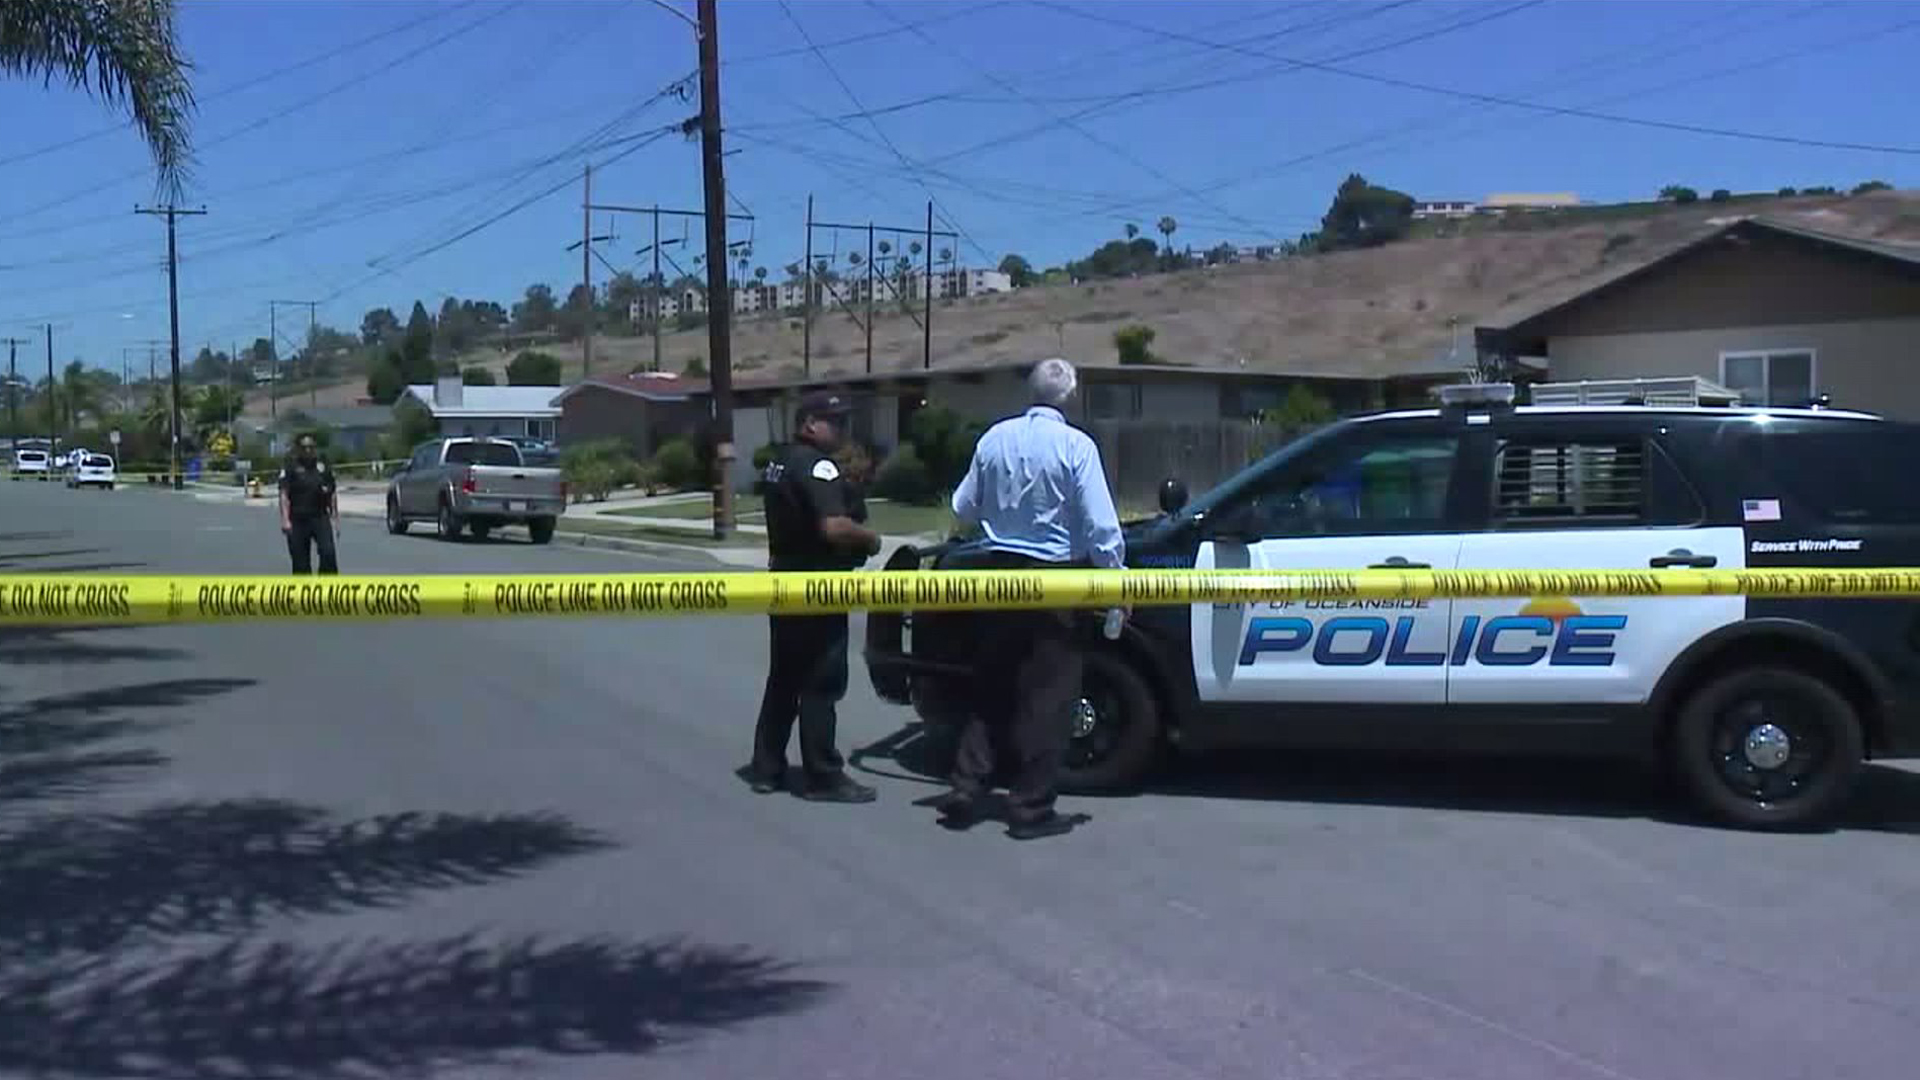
889 518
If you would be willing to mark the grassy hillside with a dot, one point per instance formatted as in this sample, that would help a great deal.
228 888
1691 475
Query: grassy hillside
1365 312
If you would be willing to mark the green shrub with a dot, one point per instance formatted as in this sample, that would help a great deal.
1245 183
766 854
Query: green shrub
678 465
905 478
596 469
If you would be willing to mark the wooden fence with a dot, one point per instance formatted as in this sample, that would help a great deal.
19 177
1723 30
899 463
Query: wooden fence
1140 454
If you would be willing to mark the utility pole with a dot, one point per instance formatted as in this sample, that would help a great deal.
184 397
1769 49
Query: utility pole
173 313
586 270
659 250
926 297
313 390
719 300
13 390
925 234
869 327
587 255
806 304
53 405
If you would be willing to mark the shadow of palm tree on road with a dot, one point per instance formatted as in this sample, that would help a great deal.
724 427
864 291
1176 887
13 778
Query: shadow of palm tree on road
95 882
103 970
384 1008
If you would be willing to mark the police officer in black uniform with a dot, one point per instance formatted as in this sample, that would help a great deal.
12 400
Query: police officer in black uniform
813 523
309 508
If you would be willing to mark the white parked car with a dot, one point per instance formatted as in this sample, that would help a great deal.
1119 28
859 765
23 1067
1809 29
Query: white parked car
91 470
30 463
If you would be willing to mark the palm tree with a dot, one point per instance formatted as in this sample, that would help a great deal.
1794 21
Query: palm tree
946 255
1167 226
128 50
760 275
1132 230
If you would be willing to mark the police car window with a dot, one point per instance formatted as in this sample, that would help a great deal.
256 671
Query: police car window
1392 487
1558 481
1842 477
483 453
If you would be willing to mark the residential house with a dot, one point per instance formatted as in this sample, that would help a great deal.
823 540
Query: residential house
486 410
354 430
645 410
1780 313
642 410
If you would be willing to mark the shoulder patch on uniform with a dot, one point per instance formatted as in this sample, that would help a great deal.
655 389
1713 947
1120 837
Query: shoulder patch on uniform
825 469
323 466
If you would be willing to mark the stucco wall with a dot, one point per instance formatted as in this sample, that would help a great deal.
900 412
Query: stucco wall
1872 365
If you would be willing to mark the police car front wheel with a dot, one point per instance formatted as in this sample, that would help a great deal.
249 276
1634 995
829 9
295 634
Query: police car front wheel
1769 748
1116 733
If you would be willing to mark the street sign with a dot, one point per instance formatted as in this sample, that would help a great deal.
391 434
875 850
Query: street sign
114 437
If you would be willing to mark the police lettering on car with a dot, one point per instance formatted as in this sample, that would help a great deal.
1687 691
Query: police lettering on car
813 523
309 508
1765 708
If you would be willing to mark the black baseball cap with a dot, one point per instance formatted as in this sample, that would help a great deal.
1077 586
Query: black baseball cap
825 404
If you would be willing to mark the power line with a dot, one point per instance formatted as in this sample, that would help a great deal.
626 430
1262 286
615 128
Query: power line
863 38
1160 93
331 91
855 98
245 84
1117 150
1426 123
1491 99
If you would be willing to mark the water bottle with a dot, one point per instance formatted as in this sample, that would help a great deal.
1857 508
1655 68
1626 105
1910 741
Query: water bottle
1115 617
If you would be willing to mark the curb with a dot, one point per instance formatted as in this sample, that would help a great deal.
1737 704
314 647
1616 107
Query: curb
639 547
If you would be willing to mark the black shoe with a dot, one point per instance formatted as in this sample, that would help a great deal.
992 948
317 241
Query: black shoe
842 790
958 809
762 783
1048 824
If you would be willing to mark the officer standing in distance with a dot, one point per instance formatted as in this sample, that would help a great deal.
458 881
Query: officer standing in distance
1038 491
309 508
813 523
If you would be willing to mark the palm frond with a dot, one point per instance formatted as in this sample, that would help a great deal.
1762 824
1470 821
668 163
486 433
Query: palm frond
127 50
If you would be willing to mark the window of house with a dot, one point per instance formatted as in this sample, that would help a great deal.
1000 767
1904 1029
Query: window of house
540 429
1602 480
1783 379
1113 401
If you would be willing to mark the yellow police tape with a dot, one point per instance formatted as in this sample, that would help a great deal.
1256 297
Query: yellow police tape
131 599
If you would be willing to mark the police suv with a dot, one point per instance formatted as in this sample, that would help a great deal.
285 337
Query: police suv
1764 710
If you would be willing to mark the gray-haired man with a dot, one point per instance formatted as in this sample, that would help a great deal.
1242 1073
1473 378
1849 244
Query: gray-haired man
1037 489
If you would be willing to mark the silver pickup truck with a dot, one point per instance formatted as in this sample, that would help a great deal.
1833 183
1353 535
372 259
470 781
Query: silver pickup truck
474 485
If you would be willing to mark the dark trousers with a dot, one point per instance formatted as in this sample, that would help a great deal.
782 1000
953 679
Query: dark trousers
806 678
306 534
1030 666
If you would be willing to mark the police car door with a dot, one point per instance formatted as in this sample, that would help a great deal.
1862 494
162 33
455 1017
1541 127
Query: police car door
1380 497
1584 492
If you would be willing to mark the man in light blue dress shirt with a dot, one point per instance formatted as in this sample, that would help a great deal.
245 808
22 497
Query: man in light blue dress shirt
1037 490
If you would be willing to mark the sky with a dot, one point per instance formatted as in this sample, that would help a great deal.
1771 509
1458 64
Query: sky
366 153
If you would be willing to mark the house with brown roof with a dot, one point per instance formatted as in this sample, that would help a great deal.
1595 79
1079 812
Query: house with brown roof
1780 313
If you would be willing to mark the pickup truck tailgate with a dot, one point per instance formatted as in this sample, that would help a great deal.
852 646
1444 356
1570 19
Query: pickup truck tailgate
514 482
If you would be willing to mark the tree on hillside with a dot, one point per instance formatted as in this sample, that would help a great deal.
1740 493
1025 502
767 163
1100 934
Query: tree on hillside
622 293
1132 230
420 327
1117 259
1679 193
576 318
536 310
129 52
210 367
379 326
453 331
1364 215
1872 186
1018 269
532 368
384 381
1167 226
478 376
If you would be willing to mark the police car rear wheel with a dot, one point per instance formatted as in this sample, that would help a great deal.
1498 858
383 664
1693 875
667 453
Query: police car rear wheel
1116 728
1769 748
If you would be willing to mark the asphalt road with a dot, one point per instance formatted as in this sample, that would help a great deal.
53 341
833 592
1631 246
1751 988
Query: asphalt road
479 849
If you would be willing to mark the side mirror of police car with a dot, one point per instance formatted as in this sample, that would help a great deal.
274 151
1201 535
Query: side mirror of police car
1173 496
